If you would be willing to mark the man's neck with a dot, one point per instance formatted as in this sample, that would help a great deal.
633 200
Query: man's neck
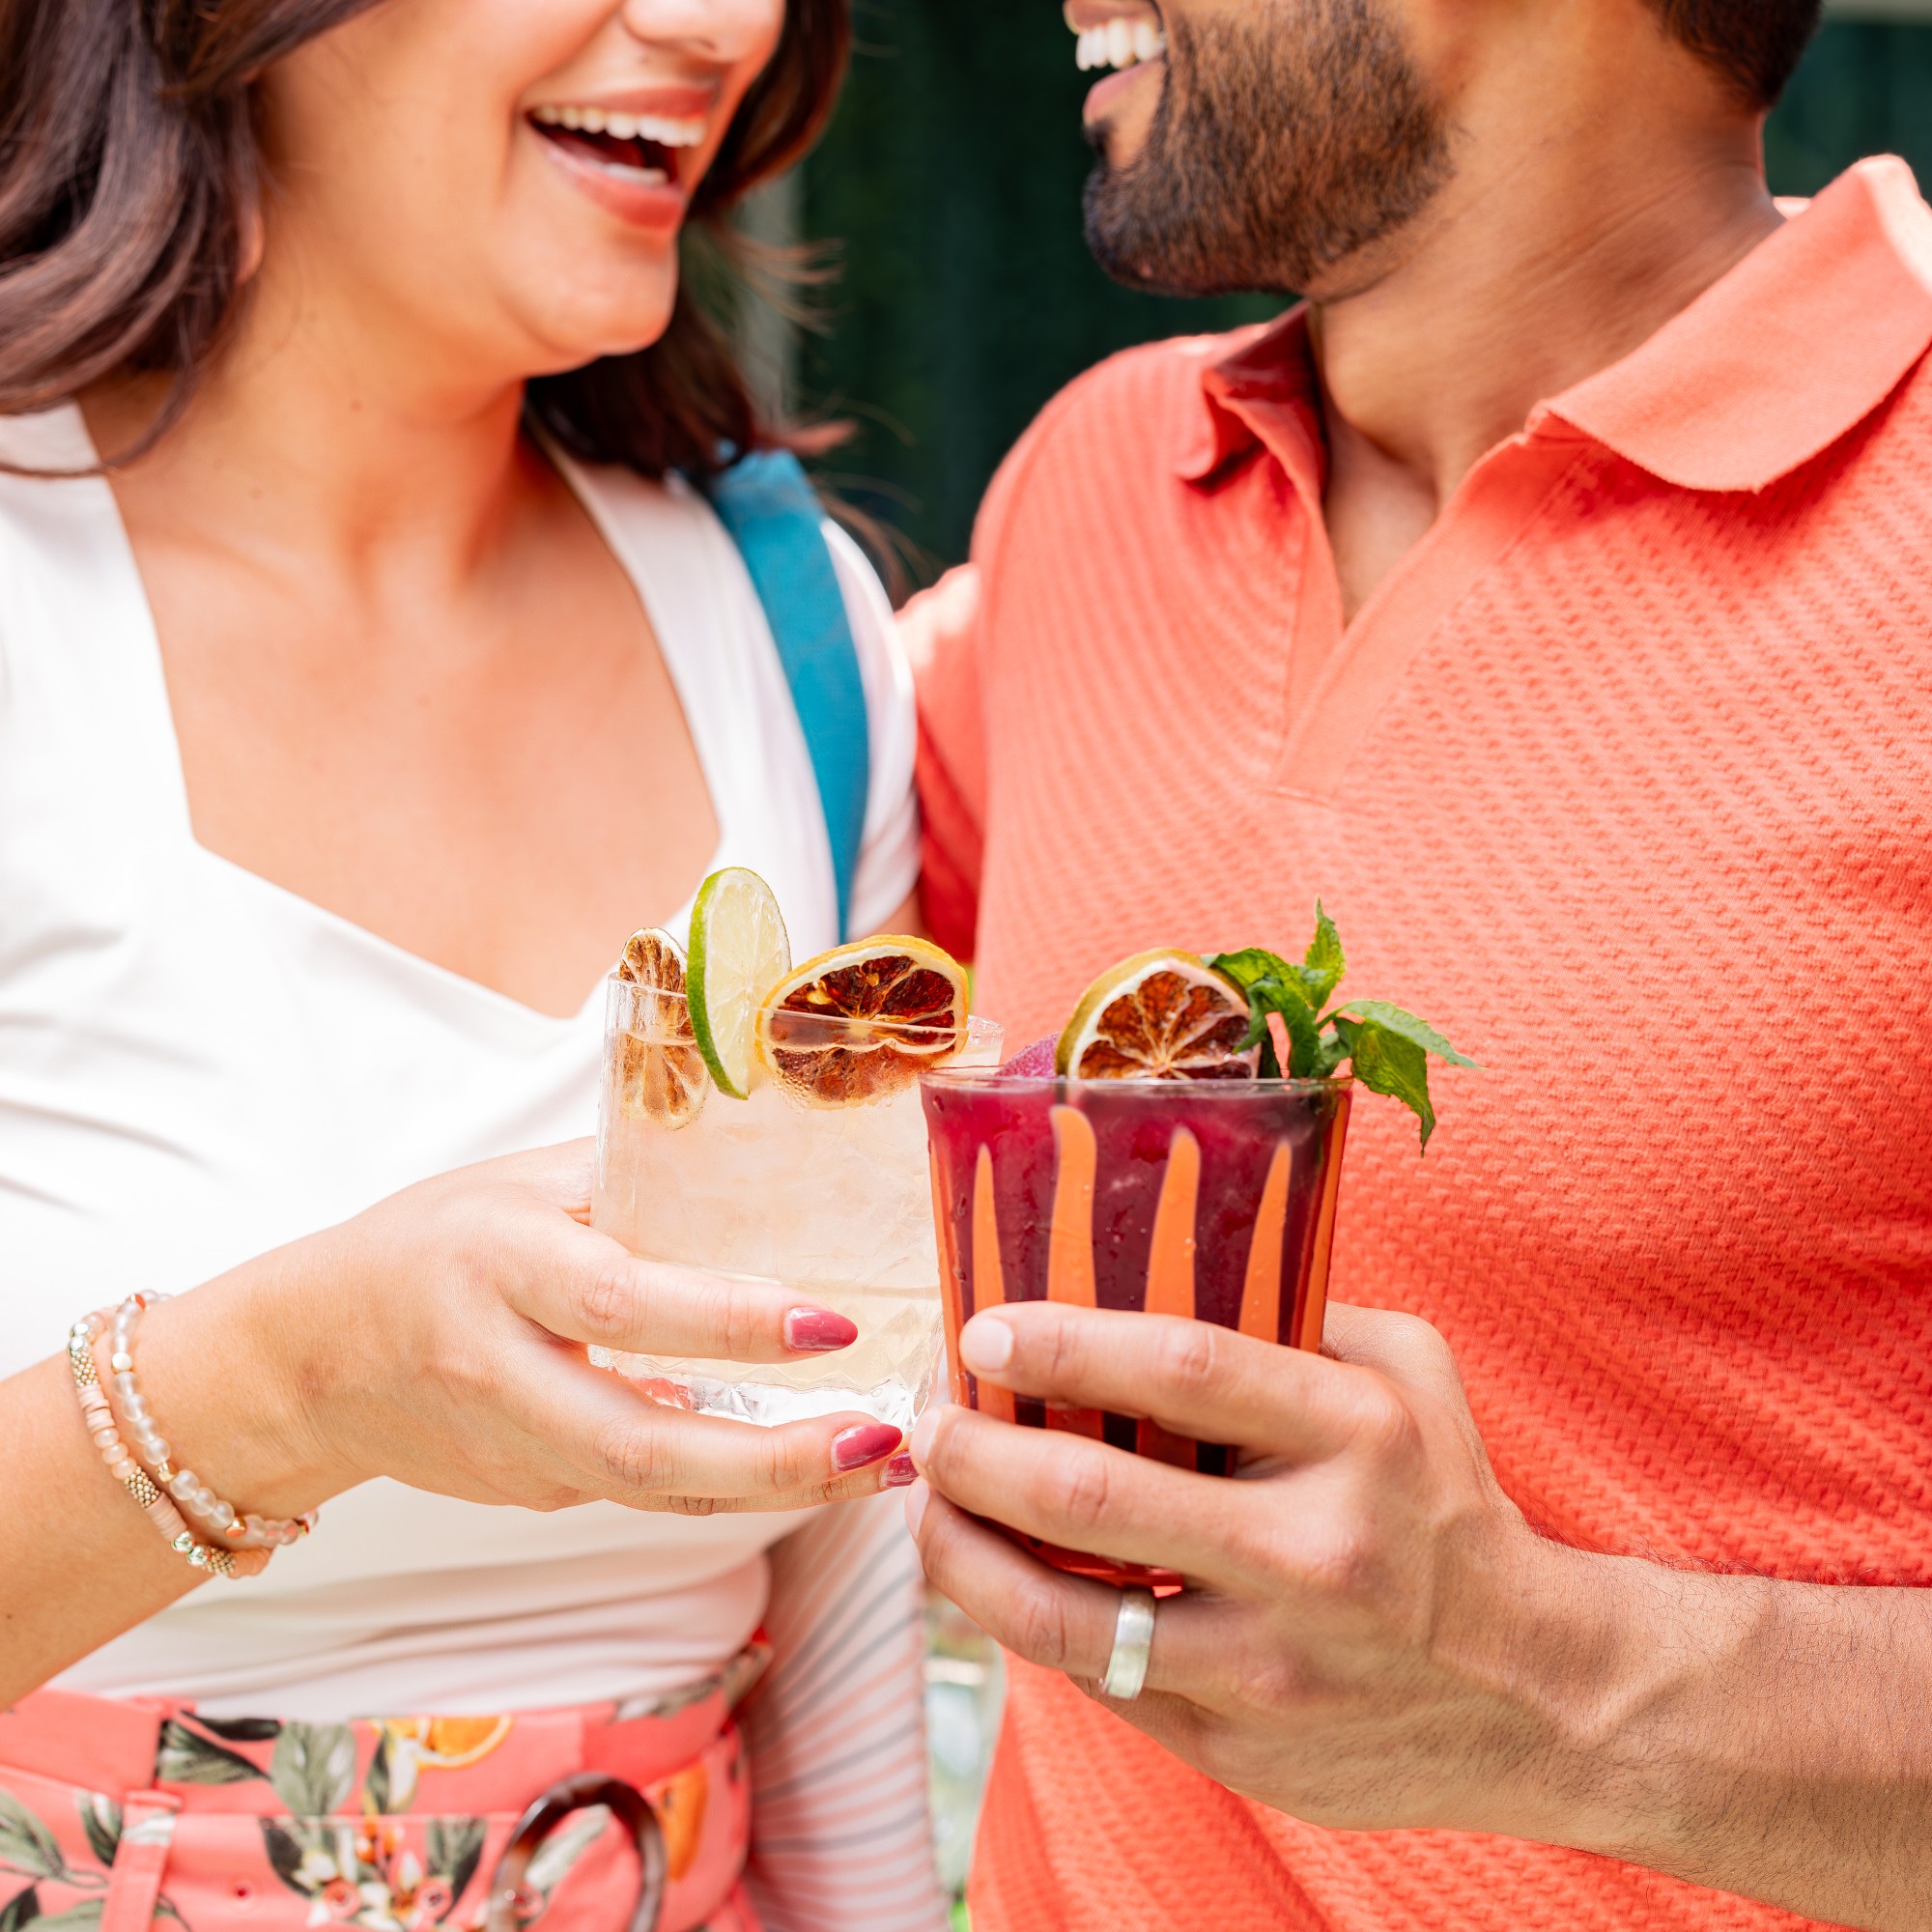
1546 259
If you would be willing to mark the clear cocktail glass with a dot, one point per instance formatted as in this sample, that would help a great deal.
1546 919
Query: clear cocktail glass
1209 1199
831 1200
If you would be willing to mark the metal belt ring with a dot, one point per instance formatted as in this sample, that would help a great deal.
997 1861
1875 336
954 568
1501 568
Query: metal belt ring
626 1804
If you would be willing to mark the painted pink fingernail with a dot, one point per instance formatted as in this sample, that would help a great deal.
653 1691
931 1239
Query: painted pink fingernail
900 1472
853 1448
815 1332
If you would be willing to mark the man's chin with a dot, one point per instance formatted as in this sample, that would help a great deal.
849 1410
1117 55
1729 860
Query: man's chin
1119 240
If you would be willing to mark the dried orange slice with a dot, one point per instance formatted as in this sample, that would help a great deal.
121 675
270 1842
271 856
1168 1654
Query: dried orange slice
657 1066
1163 1015
653 958
863 1020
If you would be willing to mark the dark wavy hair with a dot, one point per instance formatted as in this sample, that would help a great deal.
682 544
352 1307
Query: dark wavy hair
131 180
1755 45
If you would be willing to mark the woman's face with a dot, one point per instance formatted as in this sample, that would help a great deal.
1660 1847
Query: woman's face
498 184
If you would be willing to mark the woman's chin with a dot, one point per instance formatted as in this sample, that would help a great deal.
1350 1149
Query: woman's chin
571 342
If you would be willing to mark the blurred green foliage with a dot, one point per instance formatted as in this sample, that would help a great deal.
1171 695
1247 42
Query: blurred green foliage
951 180
1865 89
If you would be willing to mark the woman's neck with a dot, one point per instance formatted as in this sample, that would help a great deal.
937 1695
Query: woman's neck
326 430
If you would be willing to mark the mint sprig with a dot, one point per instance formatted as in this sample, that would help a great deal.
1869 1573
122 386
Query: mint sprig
1384 1047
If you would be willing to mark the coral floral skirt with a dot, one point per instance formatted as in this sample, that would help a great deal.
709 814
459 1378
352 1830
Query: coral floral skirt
125 1815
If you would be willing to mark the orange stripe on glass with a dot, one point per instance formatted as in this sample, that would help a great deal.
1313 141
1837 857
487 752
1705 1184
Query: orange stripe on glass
1315 1303
1260 1288
1170 1284
1069 1238
951 1281
989 1281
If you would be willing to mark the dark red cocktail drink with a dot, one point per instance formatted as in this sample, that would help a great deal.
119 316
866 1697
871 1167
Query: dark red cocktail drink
1212 1199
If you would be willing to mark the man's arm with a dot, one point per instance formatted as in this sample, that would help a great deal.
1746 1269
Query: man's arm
1373 1637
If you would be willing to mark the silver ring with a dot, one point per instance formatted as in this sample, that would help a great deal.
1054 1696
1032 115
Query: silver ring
1133 1646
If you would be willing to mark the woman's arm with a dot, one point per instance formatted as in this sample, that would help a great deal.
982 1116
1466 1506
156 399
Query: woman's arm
842 1834
438 1339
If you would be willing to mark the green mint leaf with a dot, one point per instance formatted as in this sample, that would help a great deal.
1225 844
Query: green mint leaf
1334 1050
1405 1026
1260 1035
1323 964
1390 1062
1274 985
1253 963
1297 1016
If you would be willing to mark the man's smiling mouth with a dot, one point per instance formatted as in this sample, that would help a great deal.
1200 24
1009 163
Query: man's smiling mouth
1111 35
636 148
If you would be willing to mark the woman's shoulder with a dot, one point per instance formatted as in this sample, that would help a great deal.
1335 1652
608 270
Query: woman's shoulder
667 532
640 507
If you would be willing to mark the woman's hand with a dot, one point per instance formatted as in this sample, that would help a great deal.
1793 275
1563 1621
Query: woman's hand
440 1338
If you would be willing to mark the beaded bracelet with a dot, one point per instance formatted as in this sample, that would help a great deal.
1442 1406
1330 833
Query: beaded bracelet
240 1530
136 1480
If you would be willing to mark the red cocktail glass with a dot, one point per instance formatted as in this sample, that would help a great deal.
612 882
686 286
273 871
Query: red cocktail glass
1213 1199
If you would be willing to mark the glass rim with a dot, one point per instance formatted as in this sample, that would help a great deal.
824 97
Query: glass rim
1233 1088
977 1029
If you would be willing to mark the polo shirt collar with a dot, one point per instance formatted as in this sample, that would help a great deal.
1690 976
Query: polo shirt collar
1262 391
1771 365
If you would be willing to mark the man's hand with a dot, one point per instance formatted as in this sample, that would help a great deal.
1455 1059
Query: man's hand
1373 1636
1349 1647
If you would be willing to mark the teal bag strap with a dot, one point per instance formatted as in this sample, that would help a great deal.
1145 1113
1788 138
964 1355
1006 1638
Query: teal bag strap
773 515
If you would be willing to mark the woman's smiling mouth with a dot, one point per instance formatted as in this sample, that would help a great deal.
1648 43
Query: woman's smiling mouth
630 154
633 147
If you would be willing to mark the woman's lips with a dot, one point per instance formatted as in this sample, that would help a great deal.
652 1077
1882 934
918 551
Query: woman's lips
657 205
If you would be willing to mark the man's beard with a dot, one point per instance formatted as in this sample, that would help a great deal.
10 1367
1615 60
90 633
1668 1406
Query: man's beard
1278 149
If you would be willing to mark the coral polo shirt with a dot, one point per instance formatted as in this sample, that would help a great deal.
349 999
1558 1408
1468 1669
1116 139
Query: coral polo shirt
1623 777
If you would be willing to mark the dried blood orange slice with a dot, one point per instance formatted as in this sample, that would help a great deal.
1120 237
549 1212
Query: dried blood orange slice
656 1064
863 1020
1162 1015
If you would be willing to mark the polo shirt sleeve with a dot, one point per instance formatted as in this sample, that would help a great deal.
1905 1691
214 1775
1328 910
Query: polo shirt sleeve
941 630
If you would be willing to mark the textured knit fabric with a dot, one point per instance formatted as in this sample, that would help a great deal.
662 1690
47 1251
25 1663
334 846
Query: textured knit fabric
1624 777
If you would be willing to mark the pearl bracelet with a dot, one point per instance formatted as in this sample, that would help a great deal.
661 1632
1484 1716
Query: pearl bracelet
238 1529
136 1480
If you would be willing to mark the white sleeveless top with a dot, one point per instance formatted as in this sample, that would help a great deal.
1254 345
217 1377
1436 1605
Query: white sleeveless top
196 1065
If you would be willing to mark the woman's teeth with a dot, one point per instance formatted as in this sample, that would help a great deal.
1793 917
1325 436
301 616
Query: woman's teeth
666 133
1120 42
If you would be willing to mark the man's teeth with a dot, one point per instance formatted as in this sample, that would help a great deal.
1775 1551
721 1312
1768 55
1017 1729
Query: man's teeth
666 133
1120 42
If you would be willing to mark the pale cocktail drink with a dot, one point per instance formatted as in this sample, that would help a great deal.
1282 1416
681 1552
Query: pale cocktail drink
818 1178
